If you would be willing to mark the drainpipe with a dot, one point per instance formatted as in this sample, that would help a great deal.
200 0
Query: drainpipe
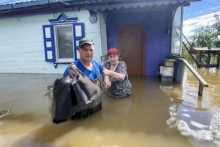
181 31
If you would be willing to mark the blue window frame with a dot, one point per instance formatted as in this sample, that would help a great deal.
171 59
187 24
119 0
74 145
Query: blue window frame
49 43
61 39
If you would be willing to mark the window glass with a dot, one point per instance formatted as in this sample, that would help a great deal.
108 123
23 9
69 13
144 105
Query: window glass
176 33
65 42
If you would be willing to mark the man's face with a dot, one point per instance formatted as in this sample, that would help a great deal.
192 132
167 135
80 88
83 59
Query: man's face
86 52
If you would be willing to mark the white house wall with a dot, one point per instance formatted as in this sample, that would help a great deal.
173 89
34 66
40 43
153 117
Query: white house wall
103 34
22 47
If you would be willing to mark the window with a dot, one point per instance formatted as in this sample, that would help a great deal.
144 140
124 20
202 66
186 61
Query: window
64 47
61 39
176 43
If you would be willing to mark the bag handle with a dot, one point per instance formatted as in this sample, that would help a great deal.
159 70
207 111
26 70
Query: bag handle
75 72
100 82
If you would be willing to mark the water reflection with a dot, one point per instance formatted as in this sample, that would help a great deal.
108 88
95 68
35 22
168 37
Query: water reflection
192 114
136 121
155 115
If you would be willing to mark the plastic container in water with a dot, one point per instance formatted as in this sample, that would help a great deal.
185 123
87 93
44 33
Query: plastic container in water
166 71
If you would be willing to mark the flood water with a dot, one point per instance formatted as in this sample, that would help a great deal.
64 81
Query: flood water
156 115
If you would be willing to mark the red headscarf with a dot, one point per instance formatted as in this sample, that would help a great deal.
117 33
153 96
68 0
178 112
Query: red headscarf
112 51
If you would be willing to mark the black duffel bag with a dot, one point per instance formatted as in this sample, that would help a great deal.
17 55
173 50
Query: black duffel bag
63 101
74 96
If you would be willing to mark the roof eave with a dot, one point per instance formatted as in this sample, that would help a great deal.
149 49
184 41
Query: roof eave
84 3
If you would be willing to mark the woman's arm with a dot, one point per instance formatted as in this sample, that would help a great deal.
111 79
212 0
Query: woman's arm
118 76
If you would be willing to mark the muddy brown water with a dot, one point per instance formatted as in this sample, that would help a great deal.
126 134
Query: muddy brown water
156 115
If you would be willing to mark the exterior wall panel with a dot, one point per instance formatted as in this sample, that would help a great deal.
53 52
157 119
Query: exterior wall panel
22 47
157 37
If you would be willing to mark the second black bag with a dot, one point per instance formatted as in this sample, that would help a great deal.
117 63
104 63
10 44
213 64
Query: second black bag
86 91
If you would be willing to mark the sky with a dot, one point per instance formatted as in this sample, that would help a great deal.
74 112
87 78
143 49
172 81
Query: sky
199 14
200 8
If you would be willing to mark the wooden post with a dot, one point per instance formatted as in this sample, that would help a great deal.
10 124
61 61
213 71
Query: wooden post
200 89
218 59
209 56
199 103
200 59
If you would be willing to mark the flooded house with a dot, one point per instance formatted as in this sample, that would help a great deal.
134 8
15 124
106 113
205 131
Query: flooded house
41 36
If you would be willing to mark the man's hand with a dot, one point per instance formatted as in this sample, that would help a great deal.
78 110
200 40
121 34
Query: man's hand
73 66
72 69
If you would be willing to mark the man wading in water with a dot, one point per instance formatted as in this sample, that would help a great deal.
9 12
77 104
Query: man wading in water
87 65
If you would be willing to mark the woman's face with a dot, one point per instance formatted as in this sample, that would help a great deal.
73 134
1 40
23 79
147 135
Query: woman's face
113 59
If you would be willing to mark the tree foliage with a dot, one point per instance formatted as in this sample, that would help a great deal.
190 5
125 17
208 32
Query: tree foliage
217 27
206 36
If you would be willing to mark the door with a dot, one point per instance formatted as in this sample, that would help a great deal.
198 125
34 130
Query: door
131 45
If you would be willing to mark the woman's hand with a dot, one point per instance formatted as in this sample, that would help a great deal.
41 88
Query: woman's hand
106 72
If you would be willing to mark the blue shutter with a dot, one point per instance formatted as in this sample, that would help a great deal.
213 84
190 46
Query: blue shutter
78 34
49 47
